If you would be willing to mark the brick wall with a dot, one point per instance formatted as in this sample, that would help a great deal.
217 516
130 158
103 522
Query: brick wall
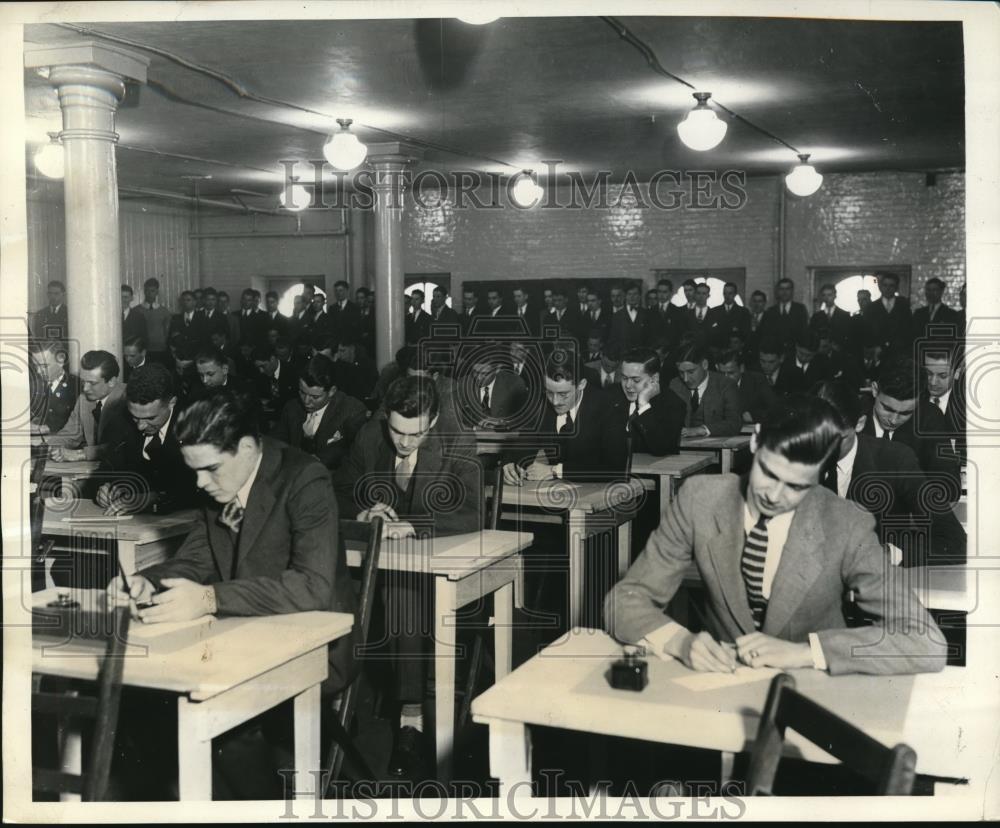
855 219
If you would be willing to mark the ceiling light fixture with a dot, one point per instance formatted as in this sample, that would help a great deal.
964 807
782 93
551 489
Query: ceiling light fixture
344 151
50 160
525 193
803 180
702 130
300 196
480 17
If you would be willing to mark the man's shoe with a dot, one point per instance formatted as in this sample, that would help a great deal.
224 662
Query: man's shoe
408 759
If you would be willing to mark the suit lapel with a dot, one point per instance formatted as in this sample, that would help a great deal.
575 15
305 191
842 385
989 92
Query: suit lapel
800 565
725 550
260 502
426 471
328 425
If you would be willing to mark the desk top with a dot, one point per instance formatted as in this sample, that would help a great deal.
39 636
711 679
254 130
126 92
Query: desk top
142 528
737 441
71 468
562 495
227 651
672 465
454 556
565 686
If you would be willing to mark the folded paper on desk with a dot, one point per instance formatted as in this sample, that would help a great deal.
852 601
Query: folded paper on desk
101 519
714 681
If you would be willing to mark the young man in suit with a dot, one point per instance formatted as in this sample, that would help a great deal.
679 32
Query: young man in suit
489 396
597 319
216 321
758 307
58 388
652 419
133 319
628 327
265 543
813 365
400 469
890 318
355 370
276 382
232 319
158 478
934 312
528 313
345 317
727 318
470 310
756 396
444 321
97 427
900 414
273 318
787 319
189 325
52 321
884 477
215 371
323 421
602 374
836 320
666 319
418 322
365 301
945 390
782 376
699 323
712 400
777 554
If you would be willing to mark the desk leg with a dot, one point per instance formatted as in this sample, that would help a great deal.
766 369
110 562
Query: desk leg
307 740
726 460
445 599
666 493
71 753
510 757
503 629
576 547
126 555
624 547
194 753
726 760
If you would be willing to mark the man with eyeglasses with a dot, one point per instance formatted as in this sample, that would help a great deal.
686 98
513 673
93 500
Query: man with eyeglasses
402 470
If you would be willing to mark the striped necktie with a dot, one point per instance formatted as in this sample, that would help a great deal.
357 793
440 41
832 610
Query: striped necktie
752 567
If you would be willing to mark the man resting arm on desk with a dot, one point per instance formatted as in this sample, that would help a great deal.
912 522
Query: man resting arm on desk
267 544
777 555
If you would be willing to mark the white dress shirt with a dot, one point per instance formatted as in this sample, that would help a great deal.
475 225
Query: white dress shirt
879 431
163 435
845 469
487 388
312 421
243 495
557 469
632 313
942 400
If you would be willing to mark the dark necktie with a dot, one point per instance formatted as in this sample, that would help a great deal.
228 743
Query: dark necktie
403 473
97 416
633 415
887 435
567 428
784 310
154 447
695 400
232 516
752 567
486 399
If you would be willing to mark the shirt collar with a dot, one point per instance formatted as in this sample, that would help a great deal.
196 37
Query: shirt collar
243 495
702 387
412 458
488 387
944 399
845 465
573 412
777 523
879 431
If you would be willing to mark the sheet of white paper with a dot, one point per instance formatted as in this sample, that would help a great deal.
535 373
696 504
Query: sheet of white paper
713 681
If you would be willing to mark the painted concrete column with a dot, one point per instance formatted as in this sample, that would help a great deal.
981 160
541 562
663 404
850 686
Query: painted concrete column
390 162
90 79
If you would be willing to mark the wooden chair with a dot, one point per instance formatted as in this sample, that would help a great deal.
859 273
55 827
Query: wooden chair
479 650
40 549
92 784
341 743
892 770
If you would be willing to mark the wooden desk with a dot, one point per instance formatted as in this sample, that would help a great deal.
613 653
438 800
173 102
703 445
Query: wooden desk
723 447
493 442
239 668
564 686
585 509
465 568
142 540
670 470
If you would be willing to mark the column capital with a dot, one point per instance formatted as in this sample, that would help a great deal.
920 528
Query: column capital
393 153
89 54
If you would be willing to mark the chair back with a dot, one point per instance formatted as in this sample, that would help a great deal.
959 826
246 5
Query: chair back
102 709
892 770
496 503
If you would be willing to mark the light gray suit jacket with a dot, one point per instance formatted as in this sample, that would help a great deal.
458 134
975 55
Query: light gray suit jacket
831 549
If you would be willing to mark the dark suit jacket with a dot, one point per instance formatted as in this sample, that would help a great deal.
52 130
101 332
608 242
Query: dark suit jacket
346 320
446 324
719 408
366 331
839 325
134 324
343 418
57 405
818 370
595 451
893 330
46 324
831 550
786 329
287 556
356 379
657 430
469 321
251 327
218 322
280 323
194 334
790 379
887 481
169 477
508 398
724 323
417 329
445 496
756 396
234 328
628 334
705 332
287 386
945 316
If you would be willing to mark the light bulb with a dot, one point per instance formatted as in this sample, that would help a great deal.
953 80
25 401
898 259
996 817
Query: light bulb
803 180
50 160
526 193
702 130
480 16
344 151
300 198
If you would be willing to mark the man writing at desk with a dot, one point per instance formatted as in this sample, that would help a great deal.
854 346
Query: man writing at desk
777 554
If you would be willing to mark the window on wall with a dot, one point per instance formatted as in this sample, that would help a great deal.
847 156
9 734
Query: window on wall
288 287
715 277
427 282
849 280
